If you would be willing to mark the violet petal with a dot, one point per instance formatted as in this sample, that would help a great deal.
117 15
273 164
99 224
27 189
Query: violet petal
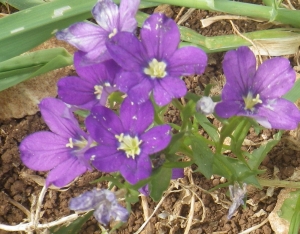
187 60
65 172
59 118
274 78
136 170
128 10
226 109
84 36
156 139
43 151
239 68
160 36
136 118
288 118
106 14
127 51
126 80
168 88
140 92
106 158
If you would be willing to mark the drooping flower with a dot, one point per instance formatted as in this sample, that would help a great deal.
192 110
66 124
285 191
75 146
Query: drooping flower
257 93
62 150
90 38
237 194
155 63
176 174
94 84
125 145
105 204
205 105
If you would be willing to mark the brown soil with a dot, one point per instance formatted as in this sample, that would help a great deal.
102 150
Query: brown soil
21 185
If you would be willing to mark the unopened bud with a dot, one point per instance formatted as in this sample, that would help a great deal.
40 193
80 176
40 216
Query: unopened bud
205 105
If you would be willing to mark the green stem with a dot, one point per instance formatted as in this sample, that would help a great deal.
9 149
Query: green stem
278 183
269 13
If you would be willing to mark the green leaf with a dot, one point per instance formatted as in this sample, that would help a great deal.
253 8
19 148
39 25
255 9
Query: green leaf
178 164
21 68
211 130
290 211
24 4
22 31
74 227
202 155
259 154
160 182
294 94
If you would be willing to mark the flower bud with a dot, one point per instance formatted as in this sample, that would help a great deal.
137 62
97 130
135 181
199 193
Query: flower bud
205 105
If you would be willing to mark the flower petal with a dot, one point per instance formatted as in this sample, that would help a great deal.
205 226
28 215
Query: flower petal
187 61
239 68
136 170
127 51
103 124
128 10
136 117
156 139
274 78
76 91
226 109
43 151
281 114
60 119
126 80
84 36
106 158
97 73
65 172
106 13
141 92
168 88
84 202
160 36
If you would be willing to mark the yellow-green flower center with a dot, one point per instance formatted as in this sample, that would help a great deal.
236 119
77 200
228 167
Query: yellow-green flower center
131 145
98 91
80 144
114 32
156 69
250 102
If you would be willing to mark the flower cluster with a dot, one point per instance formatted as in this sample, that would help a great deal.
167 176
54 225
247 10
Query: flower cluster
148 69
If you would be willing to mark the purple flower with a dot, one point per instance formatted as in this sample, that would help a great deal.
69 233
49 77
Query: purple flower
62 150
155 63
94 84
176 174
257 93
237 195
124 144
104 203
90 39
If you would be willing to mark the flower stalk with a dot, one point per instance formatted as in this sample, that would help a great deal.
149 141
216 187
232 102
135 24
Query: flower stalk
268 13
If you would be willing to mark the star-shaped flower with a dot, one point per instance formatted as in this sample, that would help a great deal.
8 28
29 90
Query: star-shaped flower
62 150
90 38
257 93
105 204
155 62
94 84
124 142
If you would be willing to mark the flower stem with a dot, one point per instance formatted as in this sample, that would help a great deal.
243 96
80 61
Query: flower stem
268 13
278 183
